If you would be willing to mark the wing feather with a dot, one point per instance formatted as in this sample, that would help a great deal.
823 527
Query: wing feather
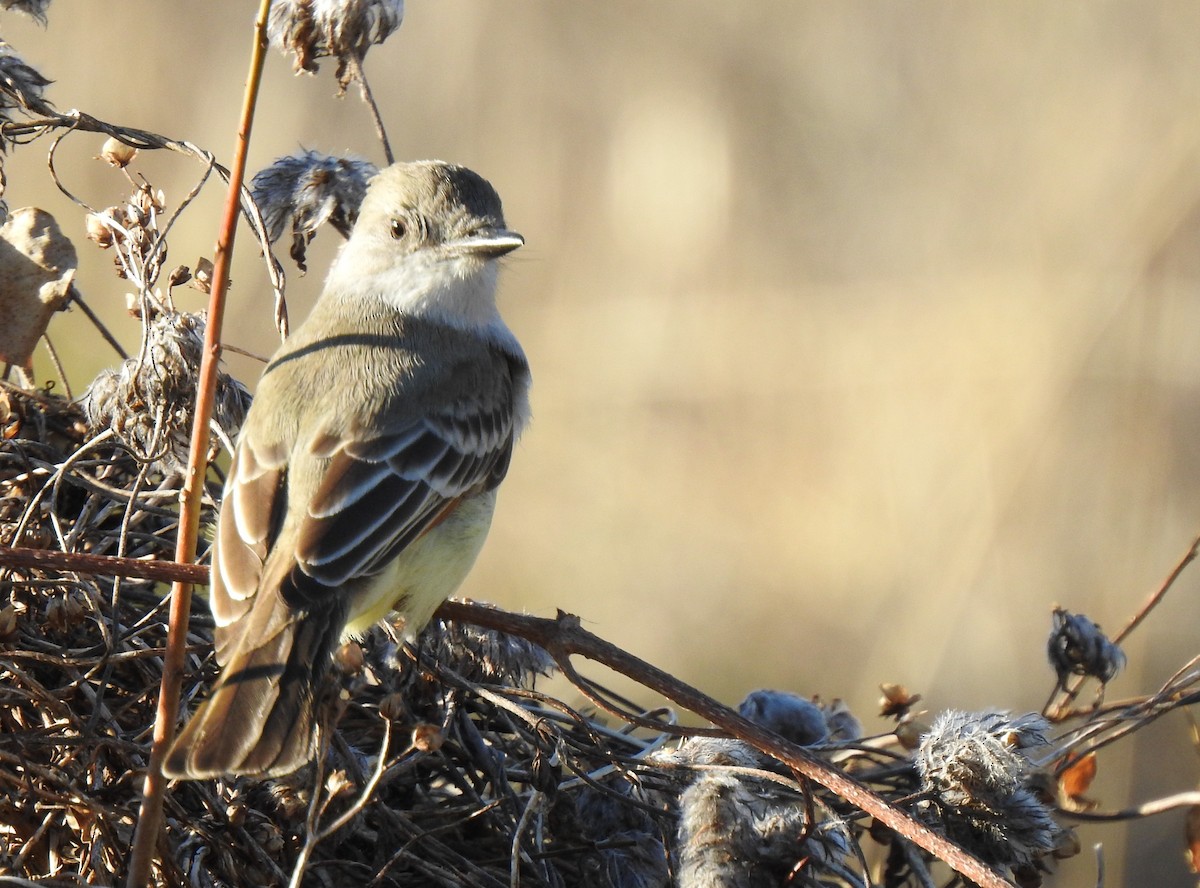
380 492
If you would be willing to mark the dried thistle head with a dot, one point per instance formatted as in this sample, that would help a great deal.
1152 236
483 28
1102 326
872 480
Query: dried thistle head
483 655
736 832
1077 646
975 769
627 841
304 191
21 86
35 9
789 715
339 29
149 400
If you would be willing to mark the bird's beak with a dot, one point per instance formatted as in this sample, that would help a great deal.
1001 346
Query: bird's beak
490 243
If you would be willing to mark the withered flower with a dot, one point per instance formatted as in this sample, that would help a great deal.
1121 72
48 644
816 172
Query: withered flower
35 9
304 191
338 29
21 86
976 772
1077 646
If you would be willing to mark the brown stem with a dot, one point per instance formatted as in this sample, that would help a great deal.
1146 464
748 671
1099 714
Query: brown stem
104 565
368 97
149 825
77 299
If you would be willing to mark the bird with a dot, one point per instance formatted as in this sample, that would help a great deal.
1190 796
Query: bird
364 477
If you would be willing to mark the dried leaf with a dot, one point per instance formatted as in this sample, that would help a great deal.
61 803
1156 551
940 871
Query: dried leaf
37 265
1077 779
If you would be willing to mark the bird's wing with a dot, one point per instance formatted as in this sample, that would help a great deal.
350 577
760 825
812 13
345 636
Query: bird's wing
255 494
379 489
385 489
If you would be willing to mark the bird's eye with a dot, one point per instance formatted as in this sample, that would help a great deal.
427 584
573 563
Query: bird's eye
399 229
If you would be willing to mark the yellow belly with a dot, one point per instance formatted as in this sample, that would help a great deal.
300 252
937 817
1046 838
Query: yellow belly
427 572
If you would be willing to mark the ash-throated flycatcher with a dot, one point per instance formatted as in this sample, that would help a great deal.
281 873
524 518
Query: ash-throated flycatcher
366 472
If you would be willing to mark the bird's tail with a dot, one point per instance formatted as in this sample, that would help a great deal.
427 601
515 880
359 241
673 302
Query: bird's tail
259 718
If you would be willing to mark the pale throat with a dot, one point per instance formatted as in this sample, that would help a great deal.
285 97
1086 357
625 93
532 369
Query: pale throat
458 291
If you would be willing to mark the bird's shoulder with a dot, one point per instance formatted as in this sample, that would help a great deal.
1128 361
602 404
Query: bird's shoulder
375 369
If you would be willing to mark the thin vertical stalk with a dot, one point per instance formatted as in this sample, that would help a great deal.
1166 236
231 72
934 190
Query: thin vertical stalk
149 825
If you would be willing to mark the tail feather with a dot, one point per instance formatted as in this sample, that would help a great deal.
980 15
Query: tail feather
259 719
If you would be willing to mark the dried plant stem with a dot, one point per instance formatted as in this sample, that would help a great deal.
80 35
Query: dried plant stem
1188 557
314 836
58 367
368 98
149 824
103 565
77 299
1145 809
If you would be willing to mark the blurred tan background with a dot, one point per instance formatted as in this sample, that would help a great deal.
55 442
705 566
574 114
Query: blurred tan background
862 333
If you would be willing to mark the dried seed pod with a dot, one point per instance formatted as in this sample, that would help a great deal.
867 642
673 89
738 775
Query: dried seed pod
348 659
910 730
427 737
203 275
117 153
98 231
393 708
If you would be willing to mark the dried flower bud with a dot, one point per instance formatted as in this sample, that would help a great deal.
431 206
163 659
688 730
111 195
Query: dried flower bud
348 659
338 783
235 813
910 730
117 152
427 737
179 275
1067 845
393 707
290 799
62 613
1077 646
267 836
896 700
844 726
98 231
